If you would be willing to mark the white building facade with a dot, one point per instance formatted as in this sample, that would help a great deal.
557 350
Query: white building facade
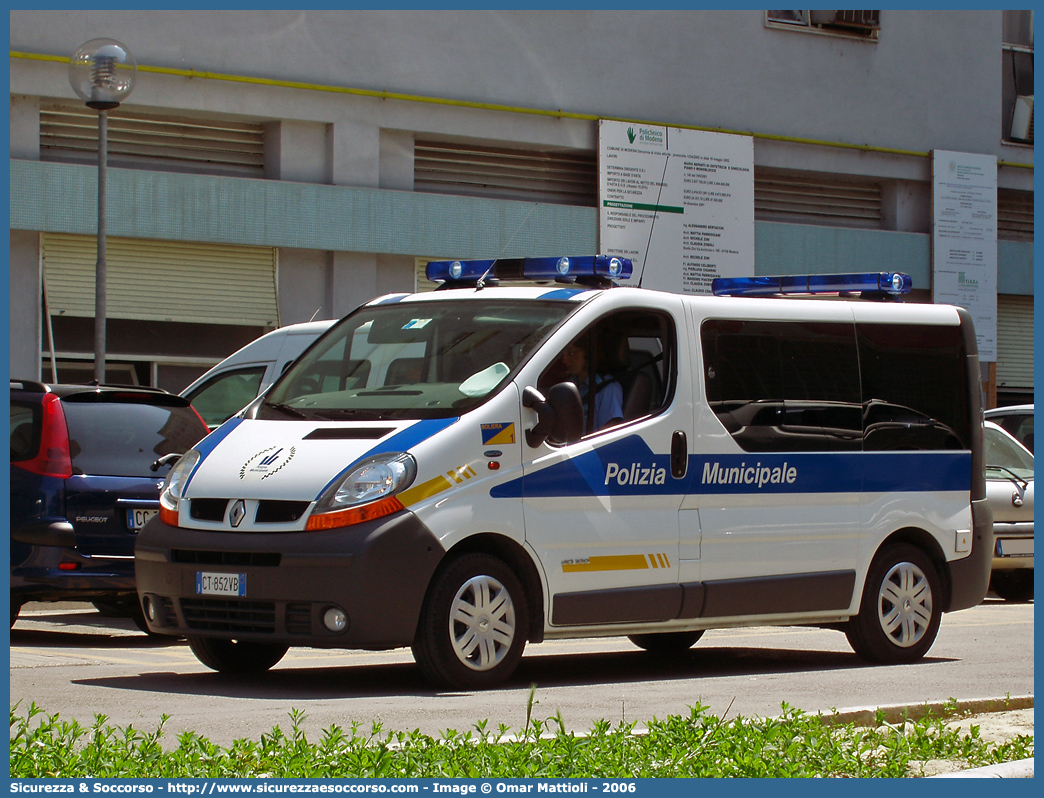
276 166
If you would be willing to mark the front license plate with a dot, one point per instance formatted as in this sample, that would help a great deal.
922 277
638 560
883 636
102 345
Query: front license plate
1016 547
211 584
136 519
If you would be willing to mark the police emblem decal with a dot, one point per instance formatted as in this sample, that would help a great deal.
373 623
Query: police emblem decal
267 462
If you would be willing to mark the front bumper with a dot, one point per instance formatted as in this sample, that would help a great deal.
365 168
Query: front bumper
1013 547
376 572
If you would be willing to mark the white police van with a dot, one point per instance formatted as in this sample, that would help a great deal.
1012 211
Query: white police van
434 472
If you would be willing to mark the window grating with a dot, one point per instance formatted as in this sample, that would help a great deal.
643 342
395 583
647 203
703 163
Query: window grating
1014 215
788 198
136 140
561 177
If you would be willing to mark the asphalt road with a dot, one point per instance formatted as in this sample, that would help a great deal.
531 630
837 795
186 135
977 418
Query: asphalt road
70 660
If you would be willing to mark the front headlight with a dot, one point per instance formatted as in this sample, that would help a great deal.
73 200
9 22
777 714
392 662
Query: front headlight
174 486
366 492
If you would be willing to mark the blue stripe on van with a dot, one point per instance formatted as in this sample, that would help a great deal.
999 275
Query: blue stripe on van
206 446
628 467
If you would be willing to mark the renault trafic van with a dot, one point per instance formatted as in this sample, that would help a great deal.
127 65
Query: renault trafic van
481 467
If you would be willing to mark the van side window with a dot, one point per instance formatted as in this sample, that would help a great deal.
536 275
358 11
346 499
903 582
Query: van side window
810 386
784 386
915 387
629 357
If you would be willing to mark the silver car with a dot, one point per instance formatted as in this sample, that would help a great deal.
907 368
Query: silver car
1016 419
1009 487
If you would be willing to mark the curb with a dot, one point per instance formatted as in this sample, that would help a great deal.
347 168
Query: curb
896 713
1023 769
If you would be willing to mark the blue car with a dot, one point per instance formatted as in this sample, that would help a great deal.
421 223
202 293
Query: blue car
87 465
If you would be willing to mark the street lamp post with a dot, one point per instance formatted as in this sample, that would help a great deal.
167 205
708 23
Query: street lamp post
102 72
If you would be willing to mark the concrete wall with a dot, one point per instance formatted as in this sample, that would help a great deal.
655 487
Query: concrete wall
720 68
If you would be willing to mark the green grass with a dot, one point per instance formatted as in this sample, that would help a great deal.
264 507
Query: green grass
795 744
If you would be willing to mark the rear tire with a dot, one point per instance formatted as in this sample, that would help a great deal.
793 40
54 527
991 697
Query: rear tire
473 626
236 656
666 643
1013 585
900 610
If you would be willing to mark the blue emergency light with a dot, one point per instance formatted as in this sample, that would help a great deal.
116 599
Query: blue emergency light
594 270
879 284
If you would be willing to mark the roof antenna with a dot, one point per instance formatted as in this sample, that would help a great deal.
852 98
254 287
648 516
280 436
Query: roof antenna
656 212
482 280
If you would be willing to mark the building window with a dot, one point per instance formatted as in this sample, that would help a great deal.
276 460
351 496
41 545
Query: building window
137 140
853 24
1017 76
560 177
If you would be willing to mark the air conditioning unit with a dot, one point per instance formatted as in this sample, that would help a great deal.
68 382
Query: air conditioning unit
1022 119
861 20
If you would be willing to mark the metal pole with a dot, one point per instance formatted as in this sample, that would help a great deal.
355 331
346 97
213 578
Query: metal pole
101 266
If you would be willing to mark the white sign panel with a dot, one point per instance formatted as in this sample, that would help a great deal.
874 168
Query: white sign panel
964 240
679 203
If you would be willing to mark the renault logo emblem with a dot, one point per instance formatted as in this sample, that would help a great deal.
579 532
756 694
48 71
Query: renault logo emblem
237 513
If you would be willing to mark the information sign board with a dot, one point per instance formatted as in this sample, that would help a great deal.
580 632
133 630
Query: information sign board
964 240
679 203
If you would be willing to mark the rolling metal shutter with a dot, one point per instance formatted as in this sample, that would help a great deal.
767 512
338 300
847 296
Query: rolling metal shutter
163 280
1015 343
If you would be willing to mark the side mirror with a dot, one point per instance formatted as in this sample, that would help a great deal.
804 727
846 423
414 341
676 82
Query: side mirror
560 417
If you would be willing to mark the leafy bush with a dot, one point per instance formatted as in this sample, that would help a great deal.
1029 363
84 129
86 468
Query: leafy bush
795 744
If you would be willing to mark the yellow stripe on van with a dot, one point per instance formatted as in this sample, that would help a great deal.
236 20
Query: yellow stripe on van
425 490
615 562
436 485
618 562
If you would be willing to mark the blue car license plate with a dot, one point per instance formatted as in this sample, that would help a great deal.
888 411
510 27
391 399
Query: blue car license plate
138 517
213 584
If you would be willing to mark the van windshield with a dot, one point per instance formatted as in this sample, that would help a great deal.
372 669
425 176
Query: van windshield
413 360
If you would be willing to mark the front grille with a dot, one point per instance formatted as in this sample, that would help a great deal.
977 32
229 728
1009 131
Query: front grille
208 509
279 512
229 558
299 619
221 615
269 511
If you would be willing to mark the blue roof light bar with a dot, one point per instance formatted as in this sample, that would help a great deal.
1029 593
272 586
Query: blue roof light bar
597 270
889 284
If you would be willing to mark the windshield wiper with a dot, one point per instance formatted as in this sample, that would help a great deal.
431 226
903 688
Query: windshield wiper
1011 475
290 411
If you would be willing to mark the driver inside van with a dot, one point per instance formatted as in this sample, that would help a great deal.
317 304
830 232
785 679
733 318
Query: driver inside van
608 406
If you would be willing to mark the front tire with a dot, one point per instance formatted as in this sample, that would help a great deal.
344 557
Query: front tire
900 610
236 656
473 626
666 643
